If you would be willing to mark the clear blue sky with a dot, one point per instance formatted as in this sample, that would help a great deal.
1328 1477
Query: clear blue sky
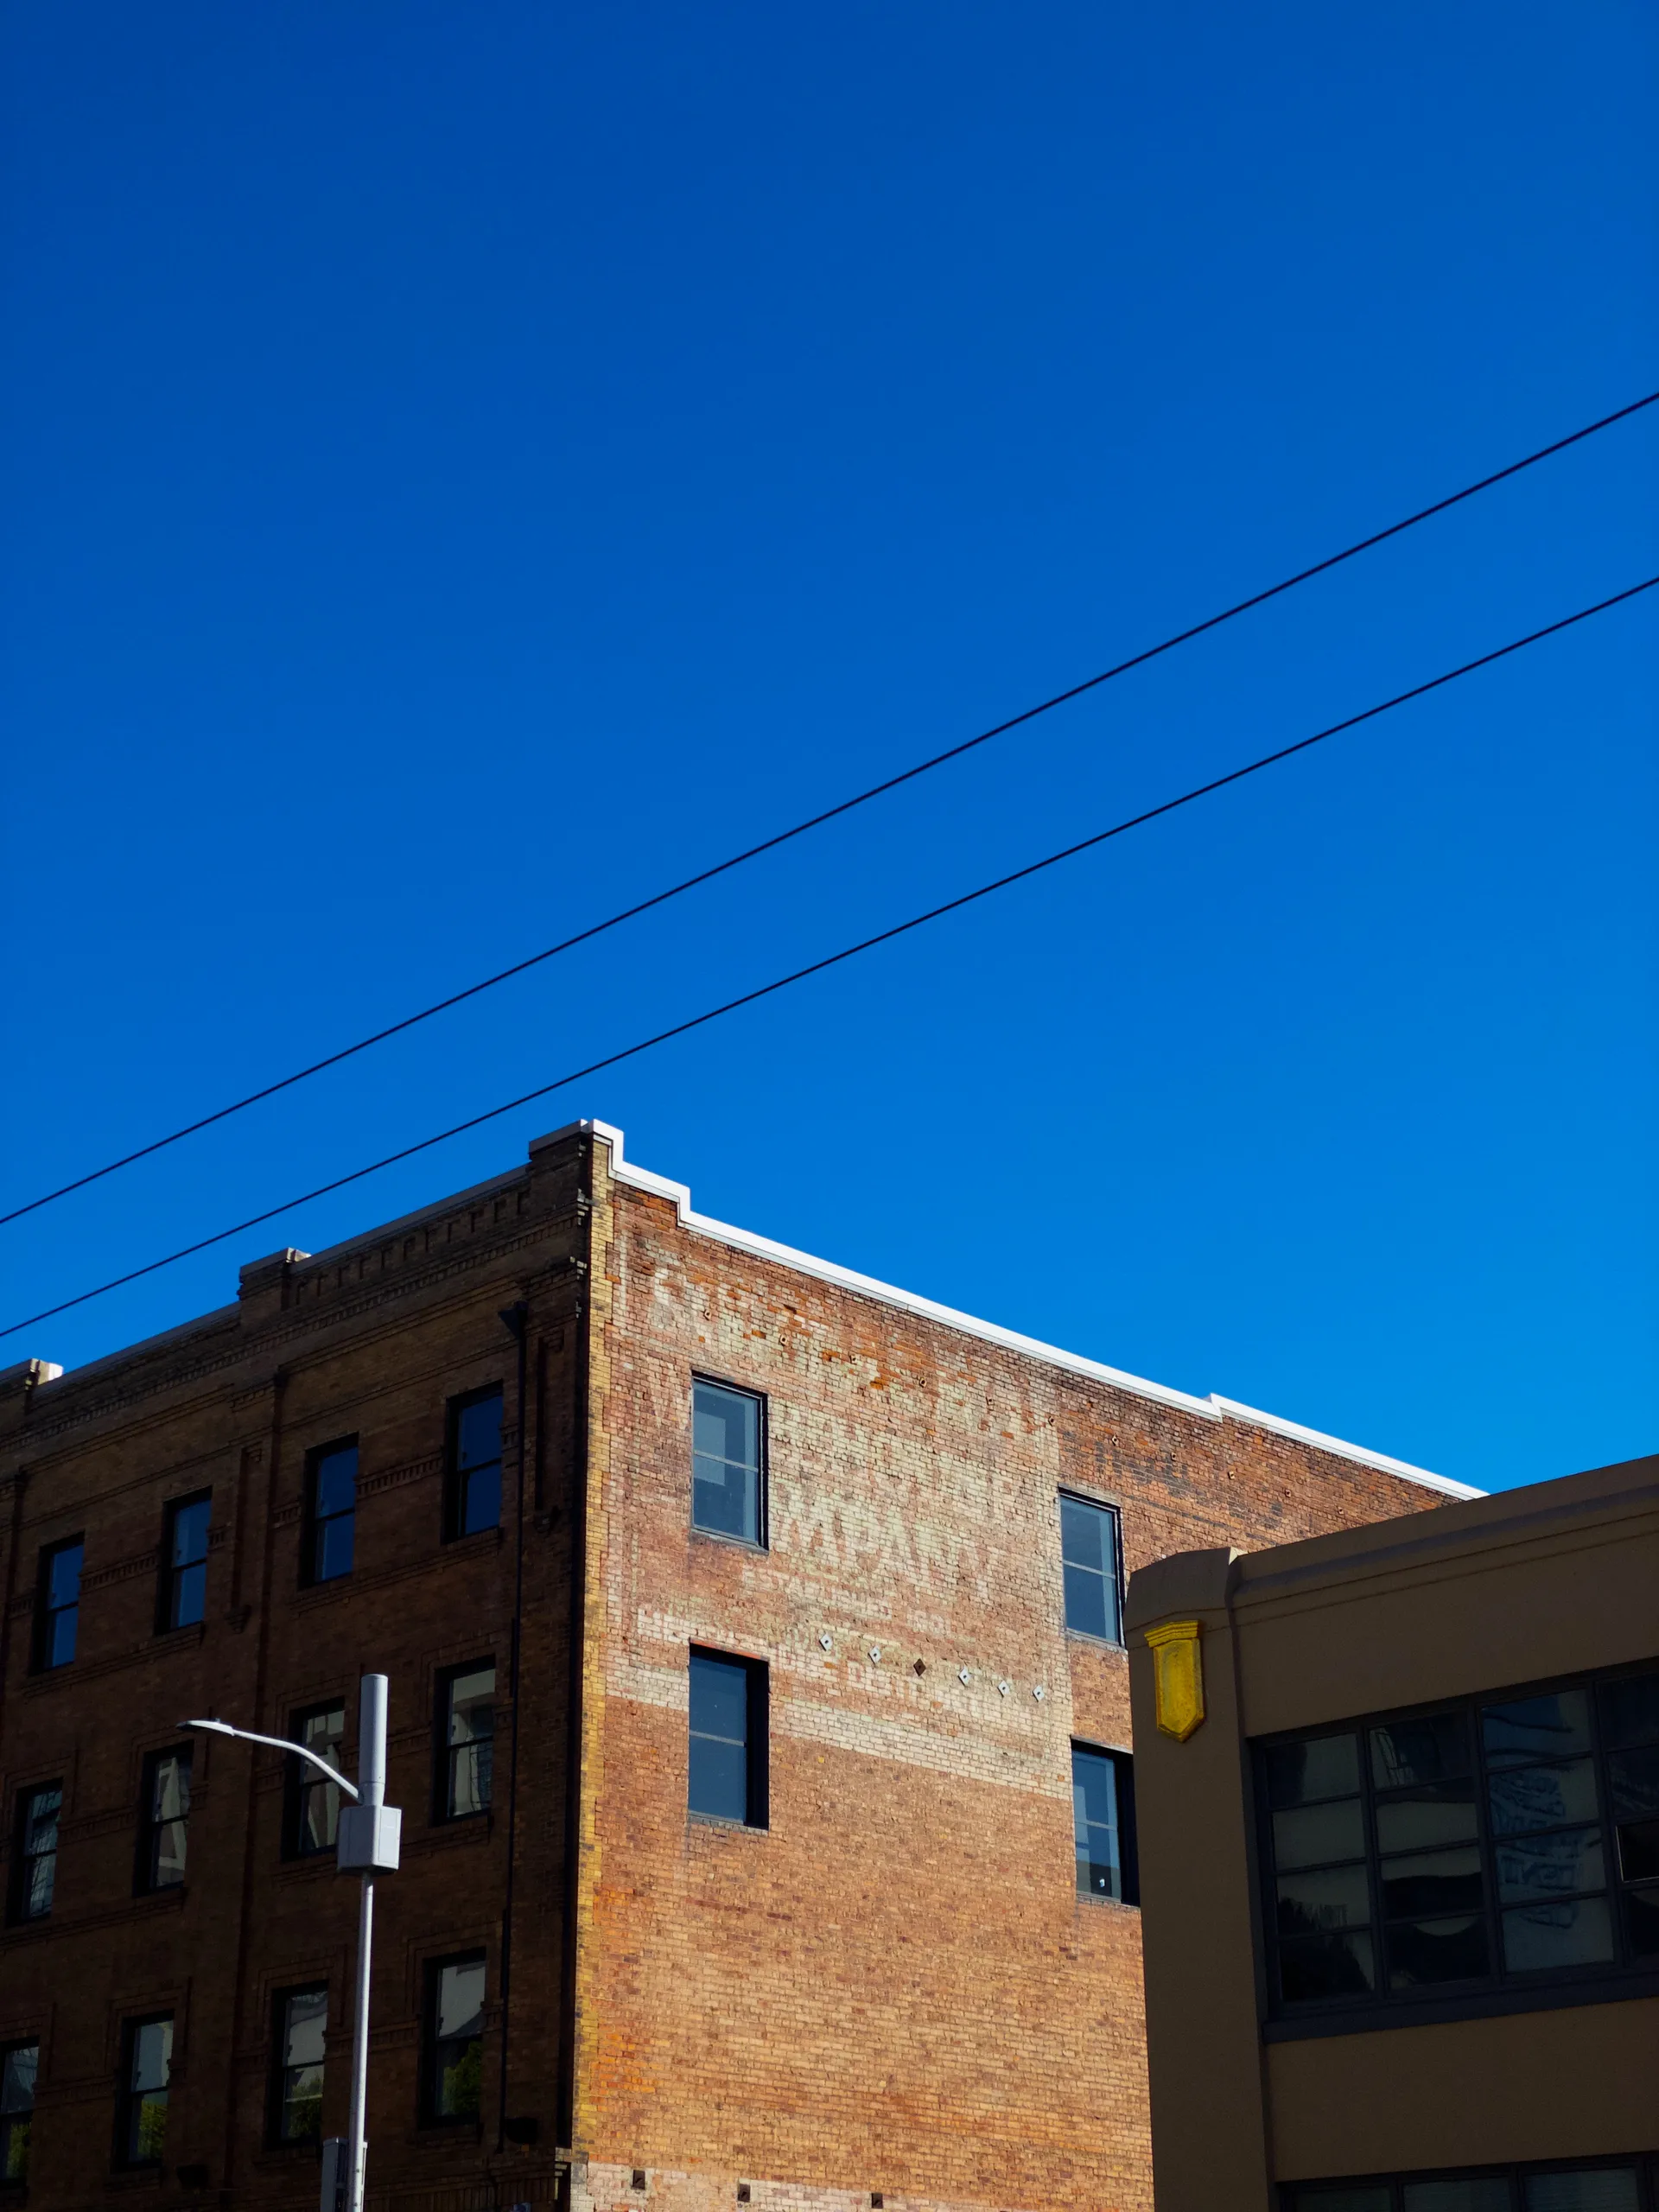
465 465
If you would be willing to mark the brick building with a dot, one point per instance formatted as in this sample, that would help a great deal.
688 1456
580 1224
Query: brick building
803 1853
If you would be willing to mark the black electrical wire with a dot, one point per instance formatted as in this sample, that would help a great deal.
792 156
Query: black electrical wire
830 813
850 952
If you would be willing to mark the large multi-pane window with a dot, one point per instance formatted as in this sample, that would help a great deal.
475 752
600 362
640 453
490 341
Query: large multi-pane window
167 1816
313 1801
1103 1806
59 1603
140 2120
1507 1841
728 1462
1089 1557
332 1511
296 2092
19 2063
1604 2185
727 1762
184 1586
465 1739
474 1485
36 1877
454 2073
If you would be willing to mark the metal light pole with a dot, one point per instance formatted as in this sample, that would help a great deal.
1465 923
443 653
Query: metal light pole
366 1844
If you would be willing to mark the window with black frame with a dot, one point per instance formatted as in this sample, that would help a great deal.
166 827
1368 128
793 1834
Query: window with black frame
1103 1805
19 2064
728 1462
727 1753
454 2073
296 2092
312 1799
1590 2186
474 1485
331 1511
141 2117
1088 1564
465 1739
58 1628
184 1588
1508 1841
167 1819
34 1877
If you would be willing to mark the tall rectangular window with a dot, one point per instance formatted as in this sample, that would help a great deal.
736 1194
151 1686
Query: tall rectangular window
19 2063
167 1815
728 1462
1102 1808
296 2092
1503 1842
727 1759
36 1871
59 1603
314 1802
465 1739
1089 1558
453 2072
140 2120
184 1587
476 1462
332 1503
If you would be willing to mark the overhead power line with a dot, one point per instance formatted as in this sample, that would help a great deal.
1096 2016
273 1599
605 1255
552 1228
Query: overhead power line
847 952
830 813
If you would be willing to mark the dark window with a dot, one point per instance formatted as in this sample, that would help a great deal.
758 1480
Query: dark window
455 2039
1604 2185
59 1603
184 1588
1102 1806
1508 1841
296 2092
1629 1714
313 1802
1089 1557
476 1462
467 1739
728 1780
332 1505
146 2062
167 1815
19 2063
728 1462
36 1874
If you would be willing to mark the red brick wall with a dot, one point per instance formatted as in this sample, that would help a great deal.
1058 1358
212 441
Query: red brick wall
895 1988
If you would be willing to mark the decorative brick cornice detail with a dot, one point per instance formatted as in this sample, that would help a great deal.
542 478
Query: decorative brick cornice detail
413 1470
122 1570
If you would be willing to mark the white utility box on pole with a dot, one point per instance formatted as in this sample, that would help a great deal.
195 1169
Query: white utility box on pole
366 1844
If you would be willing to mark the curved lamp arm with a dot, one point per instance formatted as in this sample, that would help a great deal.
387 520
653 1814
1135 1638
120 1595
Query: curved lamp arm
278 1744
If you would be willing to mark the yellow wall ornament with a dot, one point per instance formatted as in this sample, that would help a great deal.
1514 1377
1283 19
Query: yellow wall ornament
1178 1677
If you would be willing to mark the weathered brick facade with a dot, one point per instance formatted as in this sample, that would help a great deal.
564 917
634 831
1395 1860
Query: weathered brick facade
893 1988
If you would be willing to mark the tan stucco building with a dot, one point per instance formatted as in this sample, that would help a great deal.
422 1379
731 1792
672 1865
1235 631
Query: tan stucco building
1400 1859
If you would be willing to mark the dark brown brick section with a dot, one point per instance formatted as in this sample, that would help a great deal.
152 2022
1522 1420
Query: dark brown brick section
895 1988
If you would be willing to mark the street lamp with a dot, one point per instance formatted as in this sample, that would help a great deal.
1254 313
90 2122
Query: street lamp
365 1844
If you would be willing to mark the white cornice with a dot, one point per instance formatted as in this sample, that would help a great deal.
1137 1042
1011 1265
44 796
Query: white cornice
1214 1407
